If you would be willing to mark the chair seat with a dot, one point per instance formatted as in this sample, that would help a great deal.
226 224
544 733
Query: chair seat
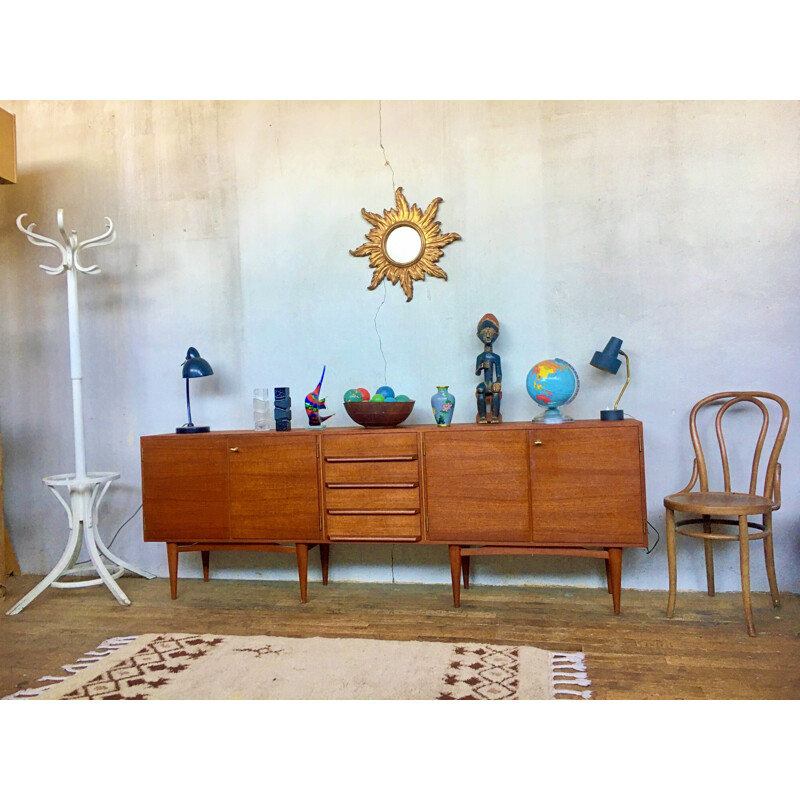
722 503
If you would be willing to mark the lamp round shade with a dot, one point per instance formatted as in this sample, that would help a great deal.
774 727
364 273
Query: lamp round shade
195 366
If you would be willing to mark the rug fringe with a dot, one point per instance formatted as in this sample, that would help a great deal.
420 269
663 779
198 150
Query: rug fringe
103 649
569 669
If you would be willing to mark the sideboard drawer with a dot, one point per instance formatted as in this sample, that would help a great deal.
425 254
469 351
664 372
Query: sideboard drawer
370 445
344 496
374 526
371 471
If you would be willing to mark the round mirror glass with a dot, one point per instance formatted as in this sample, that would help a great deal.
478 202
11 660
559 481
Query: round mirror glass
404 244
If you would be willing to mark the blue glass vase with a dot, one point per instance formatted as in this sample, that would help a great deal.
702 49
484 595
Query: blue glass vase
443 404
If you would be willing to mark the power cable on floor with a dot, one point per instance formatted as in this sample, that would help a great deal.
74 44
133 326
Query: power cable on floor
113 538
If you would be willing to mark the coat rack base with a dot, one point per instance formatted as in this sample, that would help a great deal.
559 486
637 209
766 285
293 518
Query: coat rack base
81 501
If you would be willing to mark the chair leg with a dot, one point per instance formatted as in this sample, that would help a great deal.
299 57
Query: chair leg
744 561
673 573
769 557
709 551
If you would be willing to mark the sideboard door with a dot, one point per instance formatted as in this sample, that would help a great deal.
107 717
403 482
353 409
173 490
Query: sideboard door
588 485
273 487
185 488
478 485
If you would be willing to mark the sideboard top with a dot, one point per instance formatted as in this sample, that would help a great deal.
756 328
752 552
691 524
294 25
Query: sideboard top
429 428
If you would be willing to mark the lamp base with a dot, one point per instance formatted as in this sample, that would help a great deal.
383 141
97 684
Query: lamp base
193 429
612 414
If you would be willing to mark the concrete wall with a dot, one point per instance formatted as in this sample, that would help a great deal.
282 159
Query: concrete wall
673 225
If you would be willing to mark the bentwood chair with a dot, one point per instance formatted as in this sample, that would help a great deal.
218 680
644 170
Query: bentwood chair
711 510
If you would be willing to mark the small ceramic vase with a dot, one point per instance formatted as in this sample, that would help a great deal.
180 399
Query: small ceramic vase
443 404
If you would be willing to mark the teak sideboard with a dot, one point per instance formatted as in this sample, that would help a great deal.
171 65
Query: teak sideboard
510 488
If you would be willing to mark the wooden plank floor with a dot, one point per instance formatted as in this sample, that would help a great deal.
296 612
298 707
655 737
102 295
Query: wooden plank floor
703 653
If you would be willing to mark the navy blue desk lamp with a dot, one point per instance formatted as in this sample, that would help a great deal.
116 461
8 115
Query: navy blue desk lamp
194 367
609 361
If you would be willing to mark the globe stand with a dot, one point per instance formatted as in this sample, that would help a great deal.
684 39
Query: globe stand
552 416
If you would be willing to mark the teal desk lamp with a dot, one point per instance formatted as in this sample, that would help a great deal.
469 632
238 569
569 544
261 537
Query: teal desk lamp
608 361
194 367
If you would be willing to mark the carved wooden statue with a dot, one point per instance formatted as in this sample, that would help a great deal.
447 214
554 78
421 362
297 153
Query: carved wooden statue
488 392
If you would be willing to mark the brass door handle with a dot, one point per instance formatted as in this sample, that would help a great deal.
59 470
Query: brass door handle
234 449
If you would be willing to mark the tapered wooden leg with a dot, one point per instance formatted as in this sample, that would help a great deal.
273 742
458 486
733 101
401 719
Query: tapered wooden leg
205 555
465 570
302 569
769 557
608 574
455 573
324 556
744 562
615 570
709 551
671 559
172 563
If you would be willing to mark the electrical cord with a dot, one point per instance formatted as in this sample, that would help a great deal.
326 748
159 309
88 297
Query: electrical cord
380 142
394 189
658 538
380 341
113 538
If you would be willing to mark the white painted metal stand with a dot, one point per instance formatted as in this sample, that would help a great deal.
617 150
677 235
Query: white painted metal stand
85 490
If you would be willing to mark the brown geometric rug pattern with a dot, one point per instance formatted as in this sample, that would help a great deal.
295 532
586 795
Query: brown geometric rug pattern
176 666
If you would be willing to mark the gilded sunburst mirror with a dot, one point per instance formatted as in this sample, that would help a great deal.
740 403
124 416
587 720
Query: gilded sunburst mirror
404 244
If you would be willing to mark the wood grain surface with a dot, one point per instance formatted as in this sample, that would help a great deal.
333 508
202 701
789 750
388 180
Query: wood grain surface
478 486
702 653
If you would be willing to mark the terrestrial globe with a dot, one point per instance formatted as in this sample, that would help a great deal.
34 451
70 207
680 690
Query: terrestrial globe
551 384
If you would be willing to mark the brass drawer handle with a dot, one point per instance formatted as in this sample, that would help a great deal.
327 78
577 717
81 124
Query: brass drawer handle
388 539
371 485
353 459
538 442
393 512
234 449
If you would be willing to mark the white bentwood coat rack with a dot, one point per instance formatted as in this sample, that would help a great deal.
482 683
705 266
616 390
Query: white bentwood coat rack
84 490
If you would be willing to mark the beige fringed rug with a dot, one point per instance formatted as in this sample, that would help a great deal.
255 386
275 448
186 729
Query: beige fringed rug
179 666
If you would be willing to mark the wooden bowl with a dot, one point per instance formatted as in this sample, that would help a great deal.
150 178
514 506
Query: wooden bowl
378 415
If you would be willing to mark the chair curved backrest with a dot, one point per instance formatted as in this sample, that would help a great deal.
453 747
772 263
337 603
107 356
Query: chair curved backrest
728 400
